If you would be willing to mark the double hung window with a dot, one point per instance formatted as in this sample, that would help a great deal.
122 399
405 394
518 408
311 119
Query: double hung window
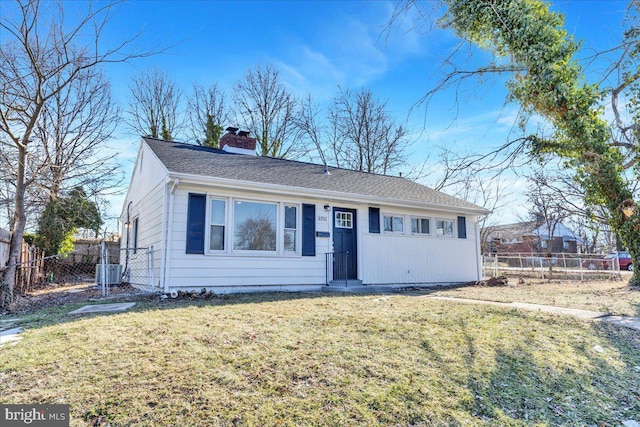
290 228
217 216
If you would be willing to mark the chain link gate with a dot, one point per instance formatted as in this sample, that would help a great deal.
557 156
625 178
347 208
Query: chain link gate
138 267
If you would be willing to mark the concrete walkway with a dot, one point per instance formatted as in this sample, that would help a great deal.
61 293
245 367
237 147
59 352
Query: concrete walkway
10 336
627 322
10 331
103 308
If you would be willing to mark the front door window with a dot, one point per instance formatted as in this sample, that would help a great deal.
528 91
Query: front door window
344 220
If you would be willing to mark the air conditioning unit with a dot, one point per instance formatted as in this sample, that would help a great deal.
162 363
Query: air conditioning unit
114 274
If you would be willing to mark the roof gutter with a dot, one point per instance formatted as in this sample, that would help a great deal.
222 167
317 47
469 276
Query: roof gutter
320 194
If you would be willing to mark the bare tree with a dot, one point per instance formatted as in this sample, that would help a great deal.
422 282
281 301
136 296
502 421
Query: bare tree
154 109
546 209
314 130
588 220
208 114
490 192
268 109
358 133
370 140
39 58
72 132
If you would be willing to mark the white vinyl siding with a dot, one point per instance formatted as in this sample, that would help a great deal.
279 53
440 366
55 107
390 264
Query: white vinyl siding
237 269
415 259
390 258
146 201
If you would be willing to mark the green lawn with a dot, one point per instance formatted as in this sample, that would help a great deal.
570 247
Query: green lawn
313 359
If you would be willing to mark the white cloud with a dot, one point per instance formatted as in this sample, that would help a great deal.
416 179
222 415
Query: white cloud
350 52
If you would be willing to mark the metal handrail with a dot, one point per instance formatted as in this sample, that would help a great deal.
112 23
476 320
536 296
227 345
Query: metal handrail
341 256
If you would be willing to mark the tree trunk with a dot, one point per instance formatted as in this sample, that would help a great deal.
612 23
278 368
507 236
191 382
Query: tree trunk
630 237
15 248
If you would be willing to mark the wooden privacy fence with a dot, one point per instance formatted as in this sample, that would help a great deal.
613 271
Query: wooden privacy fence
31 265
31 270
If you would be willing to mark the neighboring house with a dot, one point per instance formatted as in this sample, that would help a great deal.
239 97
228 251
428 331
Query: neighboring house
528 237
229 220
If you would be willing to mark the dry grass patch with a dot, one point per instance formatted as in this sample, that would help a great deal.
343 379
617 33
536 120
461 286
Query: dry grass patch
292 360
609 296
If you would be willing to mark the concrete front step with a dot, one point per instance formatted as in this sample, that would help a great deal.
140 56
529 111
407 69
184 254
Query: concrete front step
357 287
347 283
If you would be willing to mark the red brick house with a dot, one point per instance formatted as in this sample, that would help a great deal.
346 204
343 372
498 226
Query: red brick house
528 237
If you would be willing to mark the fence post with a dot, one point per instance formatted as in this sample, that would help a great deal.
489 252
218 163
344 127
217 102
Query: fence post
495 266
521 267
564 261
541 268
153 273
107 269
103 270
580 266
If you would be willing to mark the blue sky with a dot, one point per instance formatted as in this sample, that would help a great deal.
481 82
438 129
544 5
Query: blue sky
320 45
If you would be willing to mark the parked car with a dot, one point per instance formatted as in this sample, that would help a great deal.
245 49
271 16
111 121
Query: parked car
608 262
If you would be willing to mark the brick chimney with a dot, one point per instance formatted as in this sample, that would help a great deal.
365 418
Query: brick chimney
238 141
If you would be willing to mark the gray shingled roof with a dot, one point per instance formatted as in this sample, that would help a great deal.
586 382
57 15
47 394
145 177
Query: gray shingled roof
209 162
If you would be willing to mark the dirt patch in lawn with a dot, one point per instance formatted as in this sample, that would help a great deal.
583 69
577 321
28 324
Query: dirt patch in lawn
610 296
51 295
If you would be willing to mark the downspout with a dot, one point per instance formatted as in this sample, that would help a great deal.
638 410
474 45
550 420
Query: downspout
478 246
167 236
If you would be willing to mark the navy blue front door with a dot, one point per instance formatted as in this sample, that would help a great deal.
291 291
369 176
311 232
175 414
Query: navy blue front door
345 264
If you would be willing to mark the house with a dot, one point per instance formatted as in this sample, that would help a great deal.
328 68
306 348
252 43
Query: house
228 220
529 237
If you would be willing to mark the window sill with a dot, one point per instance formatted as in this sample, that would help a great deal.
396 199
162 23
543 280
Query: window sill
249 254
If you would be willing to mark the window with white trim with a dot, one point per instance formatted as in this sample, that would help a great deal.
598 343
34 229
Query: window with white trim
254 226
419 225
444 227
290 228
344 220
134 235
393 223
217 215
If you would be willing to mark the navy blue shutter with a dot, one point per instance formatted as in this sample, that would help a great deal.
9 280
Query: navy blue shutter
308 230
195 223
374 220
462 227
